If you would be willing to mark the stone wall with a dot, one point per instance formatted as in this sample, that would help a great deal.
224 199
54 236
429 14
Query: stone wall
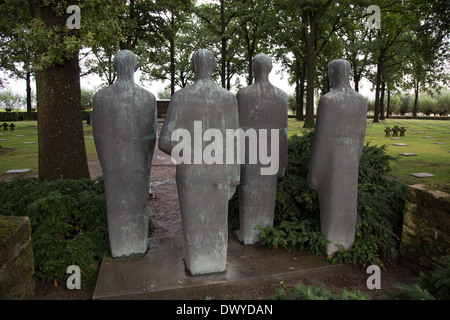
16 259
426 228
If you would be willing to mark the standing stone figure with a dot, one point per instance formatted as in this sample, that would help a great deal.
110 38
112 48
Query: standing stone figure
124 125
335 154
261 106
204 189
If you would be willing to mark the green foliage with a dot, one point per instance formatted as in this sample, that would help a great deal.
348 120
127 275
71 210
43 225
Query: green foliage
10 100
434 285
303 292
380 210
297 224
68 221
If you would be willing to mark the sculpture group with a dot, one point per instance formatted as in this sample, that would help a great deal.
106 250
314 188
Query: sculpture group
205 112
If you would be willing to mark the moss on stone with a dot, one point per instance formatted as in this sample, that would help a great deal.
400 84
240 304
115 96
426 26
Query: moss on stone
7 226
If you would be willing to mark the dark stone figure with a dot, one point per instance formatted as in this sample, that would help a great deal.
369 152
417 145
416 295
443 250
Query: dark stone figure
125 153
204 189
261 106
335 155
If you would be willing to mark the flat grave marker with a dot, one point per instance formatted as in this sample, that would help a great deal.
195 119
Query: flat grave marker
408 154
14 171
422 175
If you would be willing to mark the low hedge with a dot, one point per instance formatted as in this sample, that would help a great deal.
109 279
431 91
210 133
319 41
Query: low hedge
296 226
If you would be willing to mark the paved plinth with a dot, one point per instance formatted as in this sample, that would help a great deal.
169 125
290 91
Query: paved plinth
161 273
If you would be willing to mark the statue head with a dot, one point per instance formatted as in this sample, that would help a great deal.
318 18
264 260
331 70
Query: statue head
125 63
203 63
262 66
339 73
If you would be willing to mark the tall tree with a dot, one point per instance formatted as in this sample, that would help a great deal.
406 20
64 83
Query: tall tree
430 40
15 57
390 46
221 21
174 26
289 48
62 150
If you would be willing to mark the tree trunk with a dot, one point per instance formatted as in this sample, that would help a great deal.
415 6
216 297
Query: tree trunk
383 88
416 98
62 152
223 44
310 75
172 66
388 108
377 92
28 84
356 77
300 89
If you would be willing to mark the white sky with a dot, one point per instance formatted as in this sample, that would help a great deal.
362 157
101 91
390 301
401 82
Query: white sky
277 77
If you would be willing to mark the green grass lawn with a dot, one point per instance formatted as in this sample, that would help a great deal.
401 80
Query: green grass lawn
431 157
16 154
429 139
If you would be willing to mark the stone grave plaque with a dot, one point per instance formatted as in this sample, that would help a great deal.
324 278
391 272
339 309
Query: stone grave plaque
422 175
408 154
400 144
13 171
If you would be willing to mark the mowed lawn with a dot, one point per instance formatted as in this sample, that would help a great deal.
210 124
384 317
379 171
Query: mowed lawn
428 139
19 148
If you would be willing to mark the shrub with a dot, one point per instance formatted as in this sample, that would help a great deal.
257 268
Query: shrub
434 285
68 221
303 292
297 224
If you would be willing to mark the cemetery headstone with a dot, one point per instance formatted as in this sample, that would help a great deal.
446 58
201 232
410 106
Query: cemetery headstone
5 126
402 131
12 126
261 106
388 132
125 154
335 156
203 189
395 131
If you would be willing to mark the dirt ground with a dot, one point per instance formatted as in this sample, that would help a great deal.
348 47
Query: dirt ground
165 214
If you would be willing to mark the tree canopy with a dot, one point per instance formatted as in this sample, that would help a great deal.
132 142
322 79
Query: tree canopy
408 50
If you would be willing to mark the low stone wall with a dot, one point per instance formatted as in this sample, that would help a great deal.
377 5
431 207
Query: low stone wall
426 228
16 259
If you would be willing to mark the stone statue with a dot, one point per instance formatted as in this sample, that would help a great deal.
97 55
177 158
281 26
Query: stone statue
124 127
204 188
335 154
261 106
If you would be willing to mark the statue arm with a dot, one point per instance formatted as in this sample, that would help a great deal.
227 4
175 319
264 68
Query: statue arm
313 177
165 143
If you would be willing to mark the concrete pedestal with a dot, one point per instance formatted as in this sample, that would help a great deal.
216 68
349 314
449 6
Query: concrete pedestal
161 273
